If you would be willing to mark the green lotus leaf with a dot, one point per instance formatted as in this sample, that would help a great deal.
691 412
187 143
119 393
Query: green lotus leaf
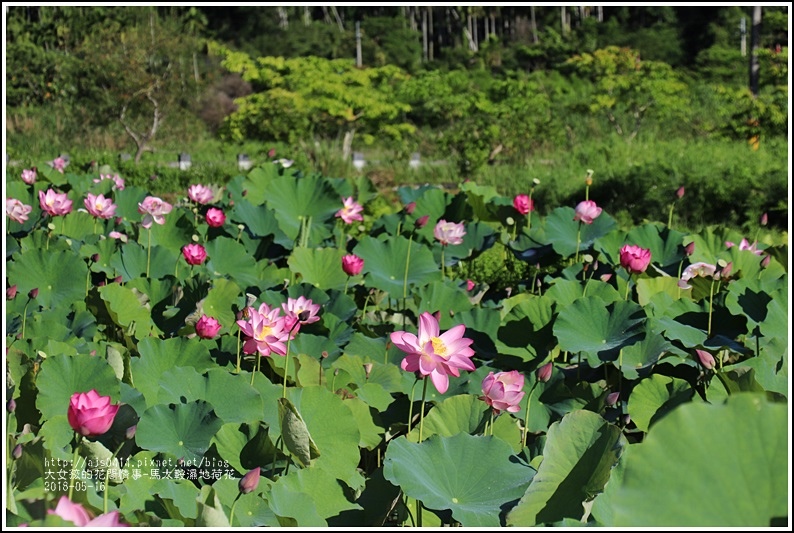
666 245
80 226
210 510
472 476
371 433
127 201
776 325
771 369
295 433
129 309
251 510
176 232
295 509
53 273
254 184
62 375
322 488
295 200
478 237
526 330
745 298
366 347
482 326
227 257
445 295
374 395
578 456
182 430
320 267
230 440
431 201
221 300
597 330
654 397
695 442
384 262
645 353
388 376
57 435
259 220
564 291
131 261
483 200
464 413
649 288
158 356
182 493
561 231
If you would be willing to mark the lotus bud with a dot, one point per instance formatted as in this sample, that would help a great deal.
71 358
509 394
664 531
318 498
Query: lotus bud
421 222
367 369
690 248
705 358
765 261
17 453
250 481
536 181
680 192
271 152
544 373
117 279
409 208
469 285
33 293
130 433
612 398
11 405
726 270
605 277
764 219
11 292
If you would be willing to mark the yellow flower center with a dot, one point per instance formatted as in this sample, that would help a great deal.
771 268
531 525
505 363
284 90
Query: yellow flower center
438 346
264 332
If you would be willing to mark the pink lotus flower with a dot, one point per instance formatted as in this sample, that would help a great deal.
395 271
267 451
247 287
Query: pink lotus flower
634 259
502 391
17 211
449 232
696 269
29 176
433 354
266 331
59 164
118 183
587 211
215 217
90 414
54 203
76 513
352 264
99 206
745 245
299 311
207 327
523 204
153 209
351 211
194 254
117 235
201 194
469 285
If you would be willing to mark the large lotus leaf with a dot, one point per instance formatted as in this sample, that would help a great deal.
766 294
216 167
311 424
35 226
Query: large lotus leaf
332 427
472 476
54 274
210 509
776 325
259 220
130 261
232 397
645 353
295 200
176 232
183 430
320 267
431 201
61 376
295 434
578 456
295 509
564 291
129 310
371 434
446 296
158 356
744 297
654 397
725 465
79 225
387 376
648 288
770 370
482 326
666 245
322 489
127 201
57 435
220 303
181 493
385 262
251 510
227 257
597 330
362 346
481 199
561 231
526 330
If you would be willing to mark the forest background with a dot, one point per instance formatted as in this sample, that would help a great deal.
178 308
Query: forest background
650 98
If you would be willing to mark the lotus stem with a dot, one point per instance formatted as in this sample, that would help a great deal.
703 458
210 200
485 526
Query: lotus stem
238 350
407 260
442 263
286 361
628 288
578 241
73 474
107 479
711 305
670 216
411 406
422 412
231 512
526 415
492 420
148 251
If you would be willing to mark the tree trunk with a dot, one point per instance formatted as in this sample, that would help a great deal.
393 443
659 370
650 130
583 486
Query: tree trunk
347 143
425 54
755 40
431 34
533 25
142 140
